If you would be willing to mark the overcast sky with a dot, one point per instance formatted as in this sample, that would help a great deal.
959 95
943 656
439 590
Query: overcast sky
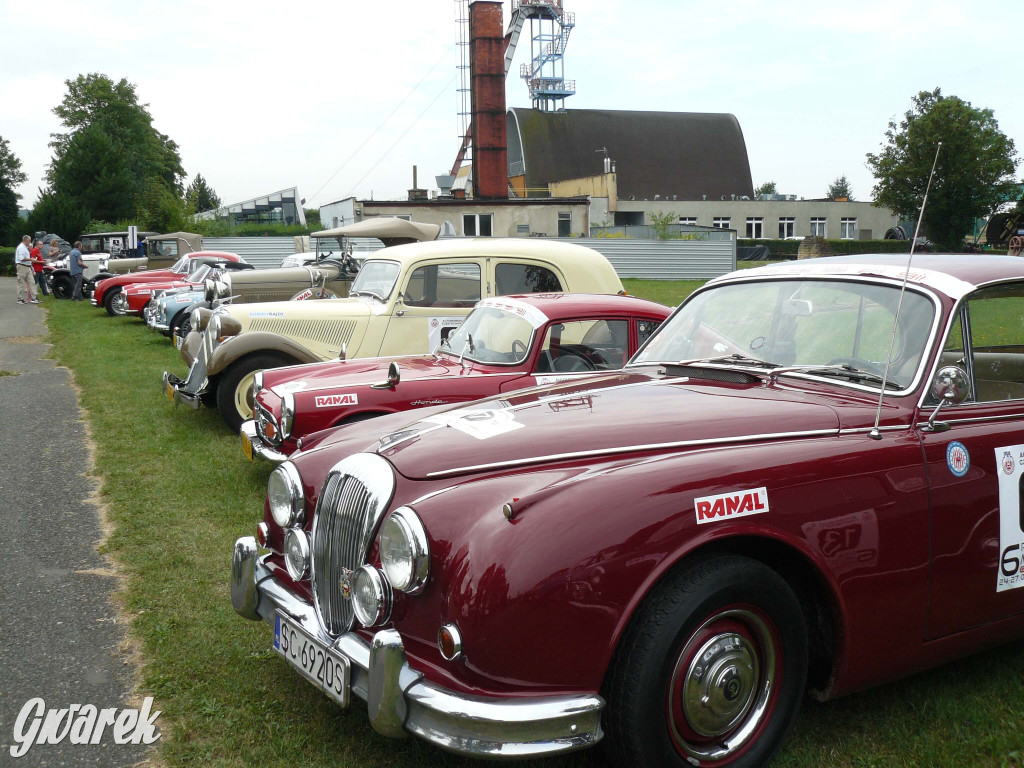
341 98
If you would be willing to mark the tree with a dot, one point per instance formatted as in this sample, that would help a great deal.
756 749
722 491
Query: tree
11 176
58 213
200 195
840 188
976 158
768 188
108 129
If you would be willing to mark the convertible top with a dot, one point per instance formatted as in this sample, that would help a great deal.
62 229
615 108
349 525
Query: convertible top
390 231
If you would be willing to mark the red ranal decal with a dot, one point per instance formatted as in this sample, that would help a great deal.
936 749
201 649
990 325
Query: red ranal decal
330 401
728 505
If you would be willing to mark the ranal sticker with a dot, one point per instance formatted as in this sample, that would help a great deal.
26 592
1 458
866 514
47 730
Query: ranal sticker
1010 461
332 401
302 296
726 506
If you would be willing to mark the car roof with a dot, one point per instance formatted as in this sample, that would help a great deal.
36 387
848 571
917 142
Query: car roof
952 274
565 305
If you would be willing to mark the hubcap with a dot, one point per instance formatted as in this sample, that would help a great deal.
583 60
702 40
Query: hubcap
243 396
118 303
721 692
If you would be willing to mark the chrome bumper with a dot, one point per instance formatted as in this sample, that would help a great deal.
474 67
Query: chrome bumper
193 401
260 448
400 701
92 300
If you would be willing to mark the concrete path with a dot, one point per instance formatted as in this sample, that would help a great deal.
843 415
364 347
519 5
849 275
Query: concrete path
60 639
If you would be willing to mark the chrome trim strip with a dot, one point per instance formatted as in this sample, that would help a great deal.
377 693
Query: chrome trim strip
401 701
976 419
866 430
711 442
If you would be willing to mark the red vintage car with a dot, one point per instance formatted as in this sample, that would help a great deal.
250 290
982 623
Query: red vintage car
108 292
506 343
809 478
136 296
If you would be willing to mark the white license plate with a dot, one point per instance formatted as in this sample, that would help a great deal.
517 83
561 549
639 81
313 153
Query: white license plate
326 669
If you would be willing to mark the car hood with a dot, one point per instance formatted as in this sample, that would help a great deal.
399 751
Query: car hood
361 372
162 285
279 316
138 277
610 415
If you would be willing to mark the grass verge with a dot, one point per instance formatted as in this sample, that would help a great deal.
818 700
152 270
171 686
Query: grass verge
179 493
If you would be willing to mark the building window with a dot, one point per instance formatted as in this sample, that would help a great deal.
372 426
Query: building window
848 229
721 222
755 227
688 221
818 227
523 229
787 227
564 224
476 224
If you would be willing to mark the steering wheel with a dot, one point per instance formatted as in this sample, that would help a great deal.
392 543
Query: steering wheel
518 349
856 362
569 361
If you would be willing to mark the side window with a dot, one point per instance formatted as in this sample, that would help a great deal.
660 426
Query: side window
996 330
443 285
525 278
645 329
584 345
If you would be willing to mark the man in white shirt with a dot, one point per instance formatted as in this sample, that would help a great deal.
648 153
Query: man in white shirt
23 265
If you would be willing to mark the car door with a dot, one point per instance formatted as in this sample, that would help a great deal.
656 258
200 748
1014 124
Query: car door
435 298
976 469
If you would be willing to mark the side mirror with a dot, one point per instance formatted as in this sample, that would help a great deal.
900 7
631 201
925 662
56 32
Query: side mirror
950 385
344 351
394 376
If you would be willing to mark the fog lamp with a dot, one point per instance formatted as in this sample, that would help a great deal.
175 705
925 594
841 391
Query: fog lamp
371 596
296 553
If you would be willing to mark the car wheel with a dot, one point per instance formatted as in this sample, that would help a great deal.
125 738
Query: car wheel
181 324
711 669
62 286
115 302
234 388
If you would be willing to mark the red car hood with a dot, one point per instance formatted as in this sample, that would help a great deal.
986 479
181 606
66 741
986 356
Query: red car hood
615 414
155 285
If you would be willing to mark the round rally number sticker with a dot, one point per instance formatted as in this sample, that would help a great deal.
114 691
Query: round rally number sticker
957 458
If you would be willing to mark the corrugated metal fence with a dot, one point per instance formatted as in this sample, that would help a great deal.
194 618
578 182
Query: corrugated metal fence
647 259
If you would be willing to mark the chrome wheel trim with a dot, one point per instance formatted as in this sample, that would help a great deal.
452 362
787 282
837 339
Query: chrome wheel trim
720 693
243 396
119 303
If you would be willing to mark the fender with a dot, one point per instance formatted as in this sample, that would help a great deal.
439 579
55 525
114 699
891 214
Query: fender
256 341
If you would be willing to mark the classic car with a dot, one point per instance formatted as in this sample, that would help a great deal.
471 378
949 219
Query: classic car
506 343
807 478
404 300
107 292
137 296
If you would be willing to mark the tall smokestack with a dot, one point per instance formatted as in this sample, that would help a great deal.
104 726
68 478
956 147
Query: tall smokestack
487 93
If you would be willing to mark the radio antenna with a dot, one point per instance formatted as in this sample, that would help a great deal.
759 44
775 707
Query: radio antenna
875 433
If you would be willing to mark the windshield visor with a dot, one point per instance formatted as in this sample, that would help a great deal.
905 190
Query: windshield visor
491 335
799 323
376 278
199 274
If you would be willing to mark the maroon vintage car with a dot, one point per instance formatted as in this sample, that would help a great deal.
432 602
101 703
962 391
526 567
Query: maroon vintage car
109 294
807 478
506 343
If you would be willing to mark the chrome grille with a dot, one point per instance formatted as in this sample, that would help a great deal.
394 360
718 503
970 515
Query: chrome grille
352 502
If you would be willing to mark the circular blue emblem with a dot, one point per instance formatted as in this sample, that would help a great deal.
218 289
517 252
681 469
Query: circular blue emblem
957 459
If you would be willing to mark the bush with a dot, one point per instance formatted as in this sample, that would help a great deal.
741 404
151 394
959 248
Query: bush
7 261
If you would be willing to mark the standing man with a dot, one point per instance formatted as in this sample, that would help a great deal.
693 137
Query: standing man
77 269
38 262
23 266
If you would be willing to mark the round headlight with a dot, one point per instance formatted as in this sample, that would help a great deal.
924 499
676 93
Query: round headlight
194 320
287 414
404 551
284 494
296 553
214 326
371 596
223 286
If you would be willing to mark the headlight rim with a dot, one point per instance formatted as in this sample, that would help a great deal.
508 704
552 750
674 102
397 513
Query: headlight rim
415 534
297 508
383 595
305 553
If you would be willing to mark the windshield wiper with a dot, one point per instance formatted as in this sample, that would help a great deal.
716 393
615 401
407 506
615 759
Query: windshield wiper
371 294
846 370
727 359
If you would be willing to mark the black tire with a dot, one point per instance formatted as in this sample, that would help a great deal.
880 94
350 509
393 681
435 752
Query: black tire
63 286
108 302
180 324
748 619
230 386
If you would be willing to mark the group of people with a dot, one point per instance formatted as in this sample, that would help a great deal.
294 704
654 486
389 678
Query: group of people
29 262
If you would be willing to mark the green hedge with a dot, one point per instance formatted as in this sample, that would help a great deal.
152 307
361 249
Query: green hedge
6 261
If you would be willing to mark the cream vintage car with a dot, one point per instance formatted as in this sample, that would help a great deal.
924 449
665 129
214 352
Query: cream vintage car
404 301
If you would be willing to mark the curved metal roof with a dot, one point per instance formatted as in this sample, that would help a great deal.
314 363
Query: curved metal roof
674 155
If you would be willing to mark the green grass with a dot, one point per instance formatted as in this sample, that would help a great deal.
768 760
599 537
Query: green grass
179 493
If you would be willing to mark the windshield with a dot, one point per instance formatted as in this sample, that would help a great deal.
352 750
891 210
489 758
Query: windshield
498 336
376 278
807 323
199 274
180 266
